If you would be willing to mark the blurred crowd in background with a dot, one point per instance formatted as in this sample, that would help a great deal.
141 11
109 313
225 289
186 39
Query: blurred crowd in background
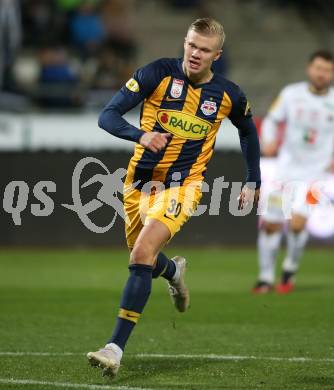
56 52
65 46
70 53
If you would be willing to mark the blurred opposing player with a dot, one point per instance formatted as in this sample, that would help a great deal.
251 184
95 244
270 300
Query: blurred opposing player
184 103
304 154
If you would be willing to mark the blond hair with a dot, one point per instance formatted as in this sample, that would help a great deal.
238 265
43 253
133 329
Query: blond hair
209 26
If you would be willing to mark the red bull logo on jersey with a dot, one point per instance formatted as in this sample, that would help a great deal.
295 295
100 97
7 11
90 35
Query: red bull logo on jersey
208 107
183 125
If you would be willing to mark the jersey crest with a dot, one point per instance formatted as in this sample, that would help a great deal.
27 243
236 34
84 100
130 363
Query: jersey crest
177 88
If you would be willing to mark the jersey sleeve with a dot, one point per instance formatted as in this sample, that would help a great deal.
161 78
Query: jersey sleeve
240 107
278 109
241 117
137 88
277 113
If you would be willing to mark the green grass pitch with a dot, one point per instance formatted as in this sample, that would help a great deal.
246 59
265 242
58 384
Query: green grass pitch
58 302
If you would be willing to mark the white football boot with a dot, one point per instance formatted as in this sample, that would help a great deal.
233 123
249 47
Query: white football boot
105 358
178 291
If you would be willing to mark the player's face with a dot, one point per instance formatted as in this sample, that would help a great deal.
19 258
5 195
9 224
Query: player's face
320 73
199 53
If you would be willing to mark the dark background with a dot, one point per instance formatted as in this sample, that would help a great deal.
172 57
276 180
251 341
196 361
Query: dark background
64 228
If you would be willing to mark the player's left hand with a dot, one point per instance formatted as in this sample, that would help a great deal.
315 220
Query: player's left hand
248 195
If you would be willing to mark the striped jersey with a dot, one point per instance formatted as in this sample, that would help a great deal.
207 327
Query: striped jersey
192 113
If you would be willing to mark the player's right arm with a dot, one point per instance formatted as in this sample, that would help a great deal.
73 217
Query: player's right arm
269 134
138 88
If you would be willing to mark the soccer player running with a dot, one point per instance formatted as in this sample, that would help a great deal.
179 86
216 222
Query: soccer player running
183 104
304 154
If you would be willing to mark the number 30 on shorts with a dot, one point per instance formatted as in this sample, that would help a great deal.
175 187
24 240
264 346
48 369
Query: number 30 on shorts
174 208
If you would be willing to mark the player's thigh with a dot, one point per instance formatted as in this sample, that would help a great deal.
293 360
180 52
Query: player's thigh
174 206
301 209
151 239
133 222
271 211
270 227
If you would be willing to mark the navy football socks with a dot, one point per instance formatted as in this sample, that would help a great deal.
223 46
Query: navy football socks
135 295
164 267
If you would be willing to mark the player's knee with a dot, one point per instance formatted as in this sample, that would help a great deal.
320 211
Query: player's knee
271 228
296 228
141 254
297 224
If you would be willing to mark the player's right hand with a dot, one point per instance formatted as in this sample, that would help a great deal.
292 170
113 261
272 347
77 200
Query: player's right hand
248 195
154 141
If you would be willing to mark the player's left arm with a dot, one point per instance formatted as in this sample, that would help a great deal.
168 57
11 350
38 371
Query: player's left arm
241 117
